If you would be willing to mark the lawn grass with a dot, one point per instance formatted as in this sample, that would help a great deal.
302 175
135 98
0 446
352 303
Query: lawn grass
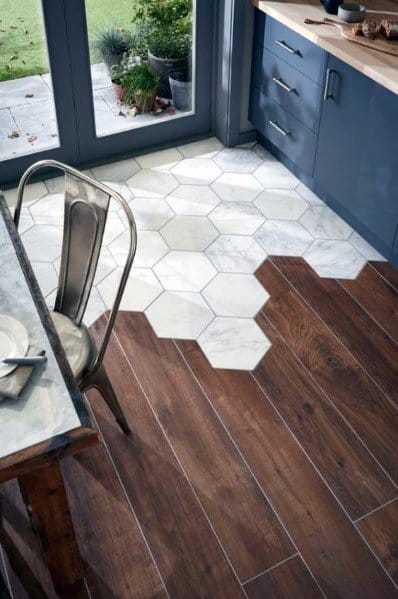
23 50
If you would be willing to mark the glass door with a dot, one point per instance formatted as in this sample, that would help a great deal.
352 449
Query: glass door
36 103
87 80
141 72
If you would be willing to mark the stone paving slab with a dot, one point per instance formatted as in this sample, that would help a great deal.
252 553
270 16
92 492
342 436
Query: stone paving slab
13 92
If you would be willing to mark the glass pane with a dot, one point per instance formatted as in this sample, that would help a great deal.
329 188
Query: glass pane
142 55
27 112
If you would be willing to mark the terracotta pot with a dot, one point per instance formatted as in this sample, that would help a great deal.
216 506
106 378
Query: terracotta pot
119 91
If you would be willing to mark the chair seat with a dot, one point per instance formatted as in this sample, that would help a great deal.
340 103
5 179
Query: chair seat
77 343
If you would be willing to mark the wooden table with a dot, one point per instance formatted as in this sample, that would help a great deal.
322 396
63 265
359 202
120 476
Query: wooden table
49 420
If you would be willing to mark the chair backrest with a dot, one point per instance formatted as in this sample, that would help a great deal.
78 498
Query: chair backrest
85 213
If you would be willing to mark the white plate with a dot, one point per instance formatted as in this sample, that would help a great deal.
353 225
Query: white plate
14 342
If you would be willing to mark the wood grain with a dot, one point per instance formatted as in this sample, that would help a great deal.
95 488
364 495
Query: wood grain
366 341
190 560
29 577
118 562
46 453
329 543
351 390
290 580
381 531
52 519
349 469
388 271
242 518
377 296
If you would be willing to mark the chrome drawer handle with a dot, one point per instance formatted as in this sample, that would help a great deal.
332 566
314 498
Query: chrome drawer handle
326 94
286 47
275 125
283 85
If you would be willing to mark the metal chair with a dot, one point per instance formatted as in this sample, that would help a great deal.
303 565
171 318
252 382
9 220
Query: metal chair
85 215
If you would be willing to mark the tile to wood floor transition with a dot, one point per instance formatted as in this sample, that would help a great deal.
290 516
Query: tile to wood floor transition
354 393
377 297
233 483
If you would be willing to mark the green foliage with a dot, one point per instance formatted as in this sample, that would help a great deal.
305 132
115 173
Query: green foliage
138 38
168 26
139 81
162 13
110 41
169 43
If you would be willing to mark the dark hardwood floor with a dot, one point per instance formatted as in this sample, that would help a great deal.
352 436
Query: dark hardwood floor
279 483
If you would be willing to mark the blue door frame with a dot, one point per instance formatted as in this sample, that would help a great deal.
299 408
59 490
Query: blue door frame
67 40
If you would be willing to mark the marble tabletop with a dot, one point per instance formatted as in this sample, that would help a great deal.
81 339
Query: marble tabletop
51 404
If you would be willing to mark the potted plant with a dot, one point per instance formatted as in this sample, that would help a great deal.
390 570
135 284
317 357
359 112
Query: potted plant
181 90
168 52
169 29
111 43
117 72
140 87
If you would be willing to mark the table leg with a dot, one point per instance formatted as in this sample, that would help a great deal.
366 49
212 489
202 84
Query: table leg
45 491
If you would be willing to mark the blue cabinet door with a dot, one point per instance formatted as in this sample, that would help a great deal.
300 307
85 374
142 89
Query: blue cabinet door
356 167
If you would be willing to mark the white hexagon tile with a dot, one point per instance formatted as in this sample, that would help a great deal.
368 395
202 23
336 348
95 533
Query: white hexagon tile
207 217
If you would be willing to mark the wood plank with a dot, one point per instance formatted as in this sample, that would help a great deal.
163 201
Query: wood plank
45 453
327 540
381 531
241 516
351 390
351 472
388 271
29 577
189 558
50 513
118 561
290 580
377 296
367 342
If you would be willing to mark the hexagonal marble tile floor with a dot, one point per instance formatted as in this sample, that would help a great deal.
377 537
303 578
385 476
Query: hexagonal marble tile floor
207 218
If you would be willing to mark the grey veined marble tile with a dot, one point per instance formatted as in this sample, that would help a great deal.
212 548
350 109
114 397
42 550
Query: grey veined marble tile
336 259
236 253
234 343
179 315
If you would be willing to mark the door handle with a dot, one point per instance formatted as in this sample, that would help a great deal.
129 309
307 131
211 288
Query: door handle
286 47
283 85
280 130
326 93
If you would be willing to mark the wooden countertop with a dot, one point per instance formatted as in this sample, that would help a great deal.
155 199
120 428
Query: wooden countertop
380 67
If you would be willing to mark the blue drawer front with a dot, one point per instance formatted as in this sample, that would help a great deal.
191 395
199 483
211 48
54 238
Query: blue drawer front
298 145
295 50
286 86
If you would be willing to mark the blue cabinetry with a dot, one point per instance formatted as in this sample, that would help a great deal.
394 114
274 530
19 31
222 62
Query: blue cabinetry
344 144
356 167
286 91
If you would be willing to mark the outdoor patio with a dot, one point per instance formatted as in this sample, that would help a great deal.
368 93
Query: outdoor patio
27 113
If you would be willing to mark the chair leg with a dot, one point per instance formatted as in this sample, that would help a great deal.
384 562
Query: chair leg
99 380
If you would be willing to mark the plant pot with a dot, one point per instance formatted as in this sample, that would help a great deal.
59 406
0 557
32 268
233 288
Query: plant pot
145 102
119 91
162 67
181 92
112 60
